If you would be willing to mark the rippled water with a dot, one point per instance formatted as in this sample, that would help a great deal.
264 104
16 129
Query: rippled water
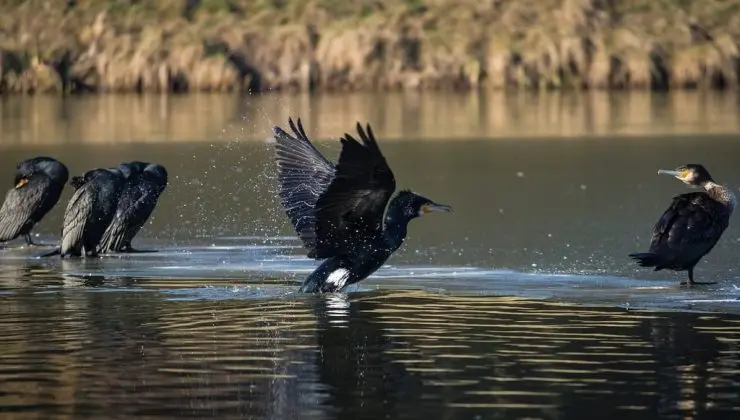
519 304
178 348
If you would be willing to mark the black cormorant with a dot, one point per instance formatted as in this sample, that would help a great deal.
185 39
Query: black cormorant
339 210
145 182
38 184
89 211
691 226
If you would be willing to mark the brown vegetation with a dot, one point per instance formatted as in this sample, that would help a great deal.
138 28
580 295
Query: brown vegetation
256 45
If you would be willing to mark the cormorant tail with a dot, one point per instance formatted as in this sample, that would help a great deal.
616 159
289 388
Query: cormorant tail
56 251
647 259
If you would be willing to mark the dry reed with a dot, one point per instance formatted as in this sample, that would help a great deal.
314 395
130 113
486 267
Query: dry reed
257 45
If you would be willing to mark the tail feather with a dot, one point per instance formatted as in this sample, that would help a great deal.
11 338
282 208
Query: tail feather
648 259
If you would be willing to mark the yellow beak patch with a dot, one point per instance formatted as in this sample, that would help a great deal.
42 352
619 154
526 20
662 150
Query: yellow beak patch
21 183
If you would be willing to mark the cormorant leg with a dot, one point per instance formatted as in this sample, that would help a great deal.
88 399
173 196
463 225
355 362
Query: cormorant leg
30 242
692 282
131 250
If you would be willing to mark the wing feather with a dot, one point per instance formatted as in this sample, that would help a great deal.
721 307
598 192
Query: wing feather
20 206
349 215
304 174
692 225
76 216
135 206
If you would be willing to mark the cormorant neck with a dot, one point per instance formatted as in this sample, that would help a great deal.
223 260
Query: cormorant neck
396 224
720 193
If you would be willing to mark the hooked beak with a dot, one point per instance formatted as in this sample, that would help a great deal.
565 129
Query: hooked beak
669 172
434 207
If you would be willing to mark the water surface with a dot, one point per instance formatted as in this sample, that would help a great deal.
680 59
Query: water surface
521 303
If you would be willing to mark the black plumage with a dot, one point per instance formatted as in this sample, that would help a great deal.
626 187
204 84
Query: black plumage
339 211
144 183
37 186
89 211
692 224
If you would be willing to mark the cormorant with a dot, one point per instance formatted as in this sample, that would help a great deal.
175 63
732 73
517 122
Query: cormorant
338 210
691 226
89 211
38 184
145 182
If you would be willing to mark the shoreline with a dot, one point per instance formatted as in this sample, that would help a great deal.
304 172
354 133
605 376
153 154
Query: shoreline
175 46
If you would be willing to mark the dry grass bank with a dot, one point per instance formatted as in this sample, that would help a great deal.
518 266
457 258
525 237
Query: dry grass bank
257 45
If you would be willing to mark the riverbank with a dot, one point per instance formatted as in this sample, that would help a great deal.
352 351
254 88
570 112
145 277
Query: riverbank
327 45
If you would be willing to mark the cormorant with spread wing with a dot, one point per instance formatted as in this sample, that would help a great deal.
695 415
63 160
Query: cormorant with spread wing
89 211
38 184
339 211
145 182
691 226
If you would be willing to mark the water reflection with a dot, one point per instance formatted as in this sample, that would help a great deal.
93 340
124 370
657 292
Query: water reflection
684 356
369 355
121 119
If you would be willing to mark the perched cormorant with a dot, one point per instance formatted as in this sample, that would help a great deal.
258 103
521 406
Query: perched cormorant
38 184
89 211
691 226
145 182
339 210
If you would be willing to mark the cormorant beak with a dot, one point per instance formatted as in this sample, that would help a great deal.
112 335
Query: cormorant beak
670 172
433 207
21 182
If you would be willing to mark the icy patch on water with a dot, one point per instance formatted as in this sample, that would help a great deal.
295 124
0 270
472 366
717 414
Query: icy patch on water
273 270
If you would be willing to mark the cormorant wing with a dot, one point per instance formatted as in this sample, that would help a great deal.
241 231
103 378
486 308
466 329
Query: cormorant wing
304 174
350 213
76 216
692 223
135 203
20 204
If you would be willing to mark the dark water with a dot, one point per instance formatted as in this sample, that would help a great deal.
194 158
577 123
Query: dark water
520 304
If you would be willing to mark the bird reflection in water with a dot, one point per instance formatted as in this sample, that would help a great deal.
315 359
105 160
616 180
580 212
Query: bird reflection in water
357 362
685 357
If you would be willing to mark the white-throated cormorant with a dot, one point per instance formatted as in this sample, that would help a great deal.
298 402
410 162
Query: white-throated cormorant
339 211
691 226
89 211
145 182
37 186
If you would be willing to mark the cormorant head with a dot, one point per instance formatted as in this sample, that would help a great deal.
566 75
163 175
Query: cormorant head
131 171
156 174
78 181
692 174
50 167
413 205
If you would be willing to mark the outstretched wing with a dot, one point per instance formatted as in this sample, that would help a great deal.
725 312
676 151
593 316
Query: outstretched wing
693 223
350 213
20 205
76 216
304 174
